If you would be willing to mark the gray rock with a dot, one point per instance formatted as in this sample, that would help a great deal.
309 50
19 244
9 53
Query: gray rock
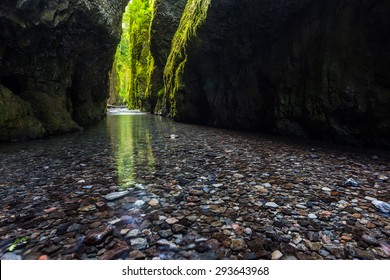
9 256
370 240
139 243
272 205
312 216
381 206
133 233
116 195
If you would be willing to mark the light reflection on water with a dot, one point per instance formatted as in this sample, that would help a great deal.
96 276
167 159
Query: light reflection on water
132 134
124 111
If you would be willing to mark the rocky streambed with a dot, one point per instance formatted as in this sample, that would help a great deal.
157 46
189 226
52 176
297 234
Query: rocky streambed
141 187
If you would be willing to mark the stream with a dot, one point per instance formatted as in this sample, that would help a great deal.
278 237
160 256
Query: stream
139 186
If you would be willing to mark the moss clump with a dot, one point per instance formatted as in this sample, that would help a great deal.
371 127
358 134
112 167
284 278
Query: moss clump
194 14
133 60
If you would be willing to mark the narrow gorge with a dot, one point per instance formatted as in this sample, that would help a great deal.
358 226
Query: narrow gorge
195 130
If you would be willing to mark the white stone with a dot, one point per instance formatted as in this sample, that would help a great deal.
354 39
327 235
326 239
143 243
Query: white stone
271 204
116 195
154 202
312 216
139 203
276 255
133 233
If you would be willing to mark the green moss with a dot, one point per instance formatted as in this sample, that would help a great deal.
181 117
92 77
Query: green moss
194 14
133 60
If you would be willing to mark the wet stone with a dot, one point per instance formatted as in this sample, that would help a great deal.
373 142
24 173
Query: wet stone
276 255
9 256
217 209
98 235
139 243
196 192
363 254
137 255
238 244
178 228
121 250
193 199
165 233
153 202
74 227
116 195
87 208
312 236
133 233
214 195
370 240
314 246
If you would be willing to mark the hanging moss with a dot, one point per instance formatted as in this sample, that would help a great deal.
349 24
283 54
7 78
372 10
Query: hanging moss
194 14
133 60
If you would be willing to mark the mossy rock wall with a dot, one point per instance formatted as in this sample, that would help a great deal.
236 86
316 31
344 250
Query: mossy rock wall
55 55
313 68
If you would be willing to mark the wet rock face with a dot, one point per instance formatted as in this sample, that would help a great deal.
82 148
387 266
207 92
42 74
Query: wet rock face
55 56
306 67
165 21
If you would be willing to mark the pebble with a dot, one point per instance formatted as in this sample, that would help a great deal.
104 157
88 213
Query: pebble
201 202
137 255
370 240
351 182
267 185
116 195
98 235
9 256
312 216
238 244
171 221
381 206
121 250
139 243
166 243
139 203
271 204
276 255
248 231
133 233
153 202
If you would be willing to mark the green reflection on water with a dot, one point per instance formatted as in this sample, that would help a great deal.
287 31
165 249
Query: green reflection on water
131 136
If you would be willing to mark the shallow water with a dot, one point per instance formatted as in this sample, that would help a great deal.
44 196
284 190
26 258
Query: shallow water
194 193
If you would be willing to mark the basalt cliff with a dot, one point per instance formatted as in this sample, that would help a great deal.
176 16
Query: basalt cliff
55 56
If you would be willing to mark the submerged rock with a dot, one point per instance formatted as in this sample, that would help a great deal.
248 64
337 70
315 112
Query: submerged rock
98 235
116 195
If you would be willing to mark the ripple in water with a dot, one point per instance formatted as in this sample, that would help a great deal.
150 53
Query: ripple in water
123 111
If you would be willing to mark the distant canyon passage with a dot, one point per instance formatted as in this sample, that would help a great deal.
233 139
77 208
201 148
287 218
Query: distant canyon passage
312 68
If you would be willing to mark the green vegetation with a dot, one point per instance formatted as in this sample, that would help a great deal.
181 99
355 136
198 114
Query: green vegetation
194 14
17 242
133 60
134 63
